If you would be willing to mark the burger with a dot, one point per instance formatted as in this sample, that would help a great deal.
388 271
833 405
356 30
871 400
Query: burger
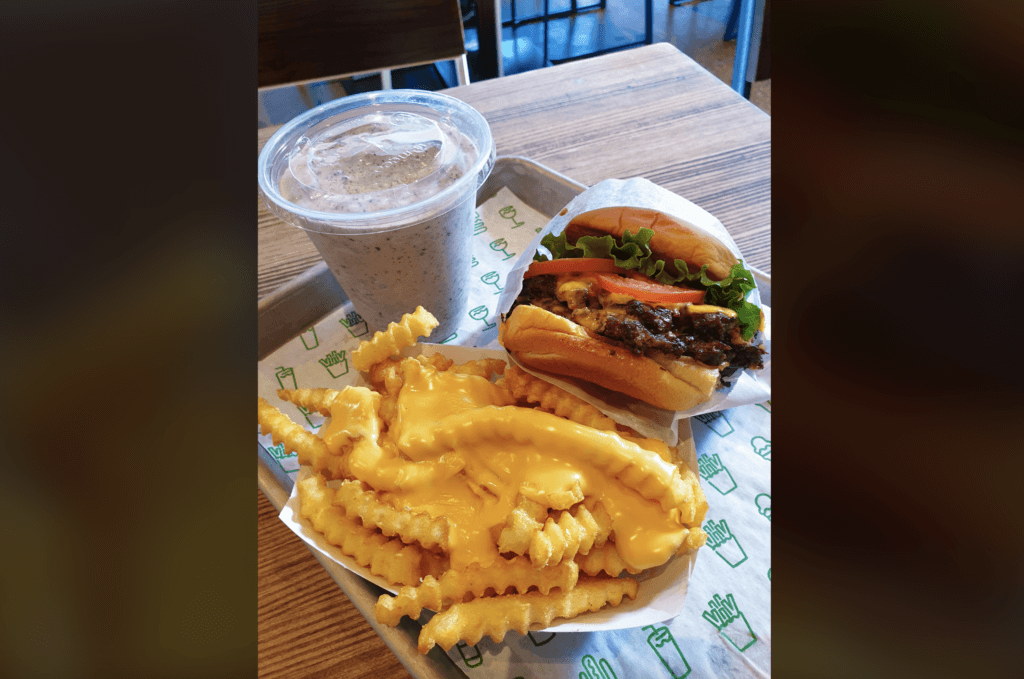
640 303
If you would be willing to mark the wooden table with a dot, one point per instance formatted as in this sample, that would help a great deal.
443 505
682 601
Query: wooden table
651 112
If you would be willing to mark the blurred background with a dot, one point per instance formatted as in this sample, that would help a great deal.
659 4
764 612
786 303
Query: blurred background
569 30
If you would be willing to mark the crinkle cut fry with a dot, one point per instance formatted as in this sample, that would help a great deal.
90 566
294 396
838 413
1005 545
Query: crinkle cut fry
495 616
429 532
605 558
576 531
319 400
522 524
524 386
311 448
453 586
391 341
485 368
398 563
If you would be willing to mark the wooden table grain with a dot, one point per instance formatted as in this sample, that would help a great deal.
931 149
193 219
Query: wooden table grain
650 112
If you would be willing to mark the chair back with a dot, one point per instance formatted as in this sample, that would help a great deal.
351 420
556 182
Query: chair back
306 40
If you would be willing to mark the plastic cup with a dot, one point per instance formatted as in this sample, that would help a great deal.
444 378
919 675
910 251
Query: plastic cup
384 184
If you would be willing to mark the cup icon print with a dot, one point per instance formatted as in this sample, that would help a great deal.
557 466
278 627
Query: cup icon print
716 474
470 654
540 638
596 669
309 339
764 505
492 278
661 640
509 212
724 543
762 447
716 422
730 622
286 378
480 314
355 324
335 363
499 245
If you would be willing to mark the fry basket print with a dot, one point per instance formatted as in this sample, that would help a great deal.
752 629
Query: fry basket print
355 324
716 474
730 622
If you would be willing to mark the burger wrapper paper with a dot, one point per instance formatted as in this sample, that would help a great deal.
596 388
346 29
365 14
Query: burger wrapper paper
750 386
665 632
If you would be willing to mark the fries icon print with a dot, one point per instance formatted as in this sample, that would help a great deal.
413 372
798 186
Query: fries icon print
355 324
724 543
716 422
716 474
726 616
596 669
660 639
335 363
470 654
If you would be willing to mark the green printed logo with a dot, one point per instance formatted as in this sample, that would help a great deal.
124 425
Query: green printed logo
762 447
470 654
509 212
764 505
539 639
480 314
335 363
279 453
355 324
475 262
306 414
769 575
499 245
309 339
716 422
724 543
286 378
670 655
449 338
596 669
767 405
714 472
478 225
726 616
492 278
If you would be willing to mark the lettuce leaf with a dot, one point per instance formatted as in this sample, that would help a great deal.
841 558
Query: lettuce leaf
634 253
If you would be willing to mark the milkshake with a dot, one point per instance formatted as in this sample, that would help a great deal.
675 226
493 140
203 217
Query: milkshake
384 184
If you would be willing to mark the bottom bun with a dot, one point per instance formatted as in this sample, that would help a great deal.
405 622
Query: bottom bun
545 341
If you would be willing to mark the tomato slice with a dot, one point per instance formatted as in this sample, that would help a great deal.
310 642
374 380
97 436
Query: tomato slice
648 290
571 265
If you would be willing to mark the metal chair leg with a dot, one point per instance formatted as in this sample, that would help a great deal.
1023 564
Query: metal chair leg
461 70
739 66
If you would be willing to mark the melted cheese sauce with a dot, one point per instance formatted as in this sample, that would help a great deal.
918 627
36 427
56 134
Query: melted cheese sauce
450 423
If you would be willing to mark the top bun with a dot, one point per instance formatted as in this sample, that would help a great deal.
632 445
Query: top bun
672 238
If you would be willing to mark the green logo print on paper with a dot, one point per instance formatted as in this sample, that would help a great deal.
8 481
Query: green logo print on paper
596 669
499 245
355 324
730 622
306 414
762 447
449 338
309 339
716 422
480 314
539 638
492 278
279 453
286 378
767 405
724 543
509 212
470 654
714 472
335 363
478 225
660 639
475 262
764 505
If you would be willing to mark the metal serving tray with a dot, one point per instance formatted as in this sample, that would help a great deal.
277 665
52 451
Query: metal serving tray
312 295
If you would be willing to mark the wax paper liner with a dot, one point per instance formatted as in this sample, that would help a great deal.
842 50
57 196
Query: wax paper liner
662 592
749 387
